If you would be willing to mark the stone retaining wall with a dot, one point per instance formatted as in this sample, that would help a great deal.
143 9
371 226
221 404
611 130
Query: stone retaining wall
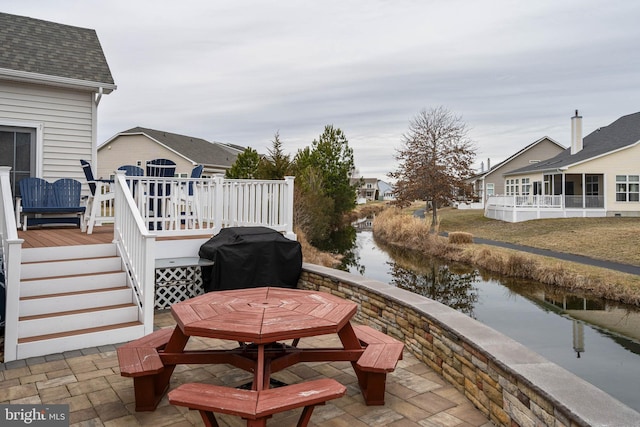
510 384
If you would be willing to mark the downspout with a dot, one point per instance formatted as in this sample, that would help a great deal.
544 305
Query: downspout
98 96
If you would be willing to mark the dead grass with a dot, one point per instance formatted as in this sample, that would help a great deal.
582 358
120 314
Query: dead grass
395 228
611 239
313 255
460 237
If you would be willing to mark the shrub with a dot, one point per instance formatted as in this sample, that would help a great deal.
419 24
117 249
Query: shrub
459 237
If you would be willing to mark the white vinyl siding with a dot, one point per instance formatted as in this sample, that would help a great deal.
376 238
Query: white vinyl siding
66 117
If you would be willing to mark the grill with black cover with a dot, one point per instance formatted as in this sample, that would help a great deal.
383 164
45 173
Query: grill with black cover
250 257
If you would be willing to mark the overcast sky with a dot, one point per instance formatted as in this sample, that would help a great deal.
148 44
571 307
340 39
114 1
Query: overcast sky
240 71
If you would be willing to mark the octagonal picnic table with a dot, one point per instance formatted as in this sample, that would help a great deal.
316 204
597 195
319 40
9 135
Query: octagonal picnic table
259 320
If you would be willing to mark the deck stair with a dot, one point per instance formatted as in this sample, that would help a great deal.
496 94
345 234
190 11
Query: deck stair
74 297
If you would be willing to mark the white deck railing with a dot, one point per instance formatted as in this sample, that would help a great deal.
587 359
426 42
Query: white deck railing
525 208
528 201
189 206
11 259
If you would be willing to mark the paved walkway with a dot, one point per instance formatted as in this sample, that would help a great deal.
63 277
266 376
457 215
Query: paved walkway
617 266
89 382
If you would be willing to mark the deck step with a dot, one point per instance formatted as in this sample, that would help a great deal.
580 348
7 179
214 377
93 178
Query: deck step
74 297
78 339
78 300
53 323
70 267
77 332
68 252
72 283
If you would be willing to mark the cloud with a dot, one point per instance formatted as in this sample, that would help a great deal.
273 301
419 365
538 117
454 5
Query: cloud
240 71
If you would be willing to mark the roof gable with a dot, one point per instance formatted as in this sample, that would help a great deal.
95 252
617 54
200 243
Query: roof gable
37 47
622 133
514 156
196 150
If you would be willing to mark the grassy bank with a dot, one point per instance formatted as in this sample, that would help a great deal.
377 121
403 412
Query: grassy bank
399 228
611 239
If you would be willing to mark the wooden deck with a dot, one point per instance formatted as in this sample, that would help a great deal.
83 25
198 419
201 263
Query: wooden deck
47 237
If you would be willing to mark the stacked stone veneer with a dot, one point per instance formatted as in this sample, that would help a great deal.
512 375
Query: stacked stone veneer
512 385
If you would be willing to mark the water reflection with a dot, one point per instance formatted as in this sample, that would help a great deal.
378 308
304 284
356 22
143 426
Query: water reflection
595 339
438 282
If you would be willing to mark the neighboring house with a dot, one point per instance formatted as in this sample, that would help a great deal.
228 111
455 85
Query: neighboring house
52 77
492 182
137 145
370 189
386 191
597 176
367 189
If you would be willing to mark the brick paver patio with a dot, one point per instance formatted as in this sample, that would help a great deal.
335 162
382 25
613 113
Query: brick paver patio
89 382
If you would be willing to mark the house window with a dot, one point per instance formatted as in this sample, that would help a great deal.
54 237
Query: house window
513 187
526 186
592 185
490 189
18 151
537 188
627 188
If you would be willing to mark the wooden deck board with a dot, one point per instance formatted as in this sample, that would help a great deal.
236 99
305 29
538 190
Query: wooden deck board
47 237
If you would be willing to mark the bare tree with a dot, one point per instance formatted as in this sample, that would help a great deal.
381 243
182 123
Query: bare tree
434 161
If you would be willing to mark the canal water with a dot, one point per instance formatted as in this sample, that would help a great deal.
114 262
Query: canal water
597 340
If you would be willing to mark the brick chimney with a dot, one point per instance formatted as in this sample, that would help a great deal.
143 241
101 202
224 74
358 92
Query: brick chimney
576 133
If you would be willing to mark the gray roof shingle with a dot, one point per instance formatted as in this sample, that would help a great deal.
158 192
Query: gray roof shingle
36 46
621 133
197 150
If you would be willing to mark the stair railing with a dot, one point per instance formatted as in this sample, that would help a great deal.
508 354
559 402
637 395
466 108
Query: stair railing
11 259
136 246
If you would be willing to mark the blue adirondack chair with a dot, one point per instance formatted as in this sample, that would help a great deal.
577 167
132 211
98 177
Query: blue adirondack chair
189 208
50 203
159 194
132 170
100 202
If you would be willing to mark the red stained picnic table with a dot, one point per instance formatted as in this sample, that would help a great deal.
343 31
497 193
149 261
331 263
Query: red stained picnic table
259 319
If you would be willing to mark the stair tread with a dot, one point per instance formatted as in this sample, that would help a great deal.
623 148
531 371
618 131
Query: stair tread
96 273
47 261
83 292
77 332
70 312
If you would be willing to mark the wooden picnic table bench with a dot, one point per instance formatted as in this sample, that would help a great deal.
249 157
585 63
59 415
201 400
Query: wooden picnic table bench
140 360
381 355
255 406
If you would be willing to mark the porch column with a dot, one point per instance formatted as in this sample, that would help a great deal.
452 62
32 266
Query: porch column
563 195
584 191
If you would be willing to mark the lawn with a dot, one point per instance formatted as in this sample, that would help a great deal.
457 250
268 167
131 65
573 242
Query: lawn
613 239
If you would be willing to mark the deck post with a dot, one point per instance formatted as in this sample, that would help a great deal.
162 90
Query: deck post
288 207
218 208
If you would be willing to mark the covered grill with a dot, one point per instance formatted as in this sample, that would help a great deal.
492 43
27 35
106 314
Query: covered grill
249 257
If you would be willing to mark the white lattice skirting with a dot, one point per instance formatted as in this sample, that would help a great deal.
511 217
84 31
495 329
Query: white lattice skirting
177 284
